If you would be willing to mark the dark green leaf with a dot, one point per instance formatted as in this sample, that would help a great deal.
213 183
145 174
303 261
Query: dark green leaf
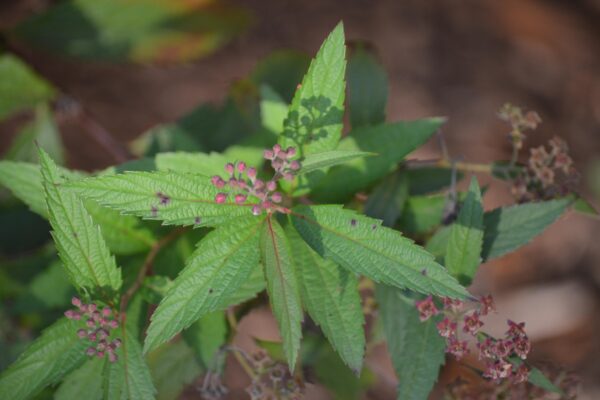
205 337
387 200
173 368
83 383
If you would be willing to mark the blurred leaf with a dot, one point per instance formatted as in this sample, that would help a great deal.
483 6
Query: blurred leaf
387 200
466 237
314 121
163 31
20 87
154 288
273 110
508 228
205 337
326 159
584 207
367 88
41 132
52 287
422 214
438 243
416 348
83 383
50 357
283 286
173 368
429 180
78 239
282 71
206 164
537 378
21 230
391 142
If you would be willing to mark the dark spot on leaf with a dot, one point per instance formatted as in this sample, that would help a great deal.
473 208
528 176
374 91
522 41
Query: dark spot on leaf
353 222
197 220
74 234
374 227
164 199
154 211
424 272
210 291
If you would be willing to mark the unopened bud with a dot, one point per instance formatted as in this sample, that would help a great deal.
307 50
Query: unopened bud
90 351
82 333
256 210
288 176
114 324
220 198
251 173
291 151
217 181
229 168
116 343
276 149
76 301
276 197
240 198
271 185
295 165
241 167
106 311
268 155
112 357
92 307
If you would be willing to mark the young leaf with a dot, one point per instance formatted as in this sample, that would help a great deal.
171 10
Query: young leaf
325 159
363 246
128 378
85 382
78 240
391 142
221 264
53 355
508 228
282 286
387 200
174 198
464 246
207 164
314 121
205 337
416 348
330 295
173 368
367 88
273 110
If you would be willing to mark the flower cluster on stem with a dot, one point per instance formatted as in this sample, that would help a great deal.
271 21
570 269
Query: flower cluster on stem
462 320
100 323
243 181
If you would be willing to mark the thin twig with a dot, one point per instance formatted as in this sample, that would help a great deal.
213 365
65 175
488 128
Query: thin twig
239 354
447 164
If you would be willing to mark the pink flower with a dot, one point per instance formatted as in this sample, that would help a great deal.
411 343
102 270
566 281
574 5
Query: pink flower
426 308
503 348
487 348
217 181
276 149
458 348
76 301
498 370
472 323
220 198
295 165
106 311
446 328
522 346
487 304
521 374
516 329
453 305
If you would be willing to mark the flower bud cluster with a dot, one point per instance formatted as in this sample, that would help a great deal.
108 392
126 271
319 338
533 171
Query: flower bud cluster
549 173
464 319
273 380
243 181
519 122
99 324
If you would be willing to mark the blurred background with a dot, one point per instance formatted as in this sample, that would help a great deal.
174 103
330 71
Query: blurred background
108 76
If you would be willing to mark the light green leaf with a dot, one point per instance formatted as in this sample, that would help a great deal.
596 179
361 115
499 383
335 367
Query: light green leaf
367 88
330 295
313 162
20 87
391 142
584 207
282 286
362 245
387 200
174 198
438 243
537 378
422 214
314 121
223 261
273 110
173 368
51 287
466 237
207 164
53 355
83 383
508 228
129 378
78 240
416 348
24 180
205 337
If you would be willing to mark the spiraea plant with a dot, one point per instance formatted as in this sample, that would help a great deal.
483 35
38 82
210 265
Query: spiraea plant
320 221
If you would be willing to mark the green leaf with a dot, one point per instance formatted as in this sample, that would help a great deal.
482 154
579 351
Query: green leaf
205 337
387 200
584 207
313 162
466 237
314 121
281 70
416 348
363 246
24 180
129 378
174 198
51 287
273 110
367 88
221 264
83 383
50 357
430 179
20 87
537 378
508 228
391 142
282 286
78 240
422 214
173 368
207 164
330 295
438 243
140 31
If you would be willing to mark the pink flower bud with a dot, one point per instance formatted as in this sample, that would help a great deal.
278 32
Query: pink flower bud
84 308
266 205
116 343
106 311
114 324
291 151
90 351
90 323
229 168
92 307
256 210
101 346
288 176
69 314
271 185
102 333
240 198
277 164
276 149
96 316
268 155
76 301
112 357
92 336
220 198
217 181
258 184
282 155
241 167
82 333
100 354
295 165
276 197
251 173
